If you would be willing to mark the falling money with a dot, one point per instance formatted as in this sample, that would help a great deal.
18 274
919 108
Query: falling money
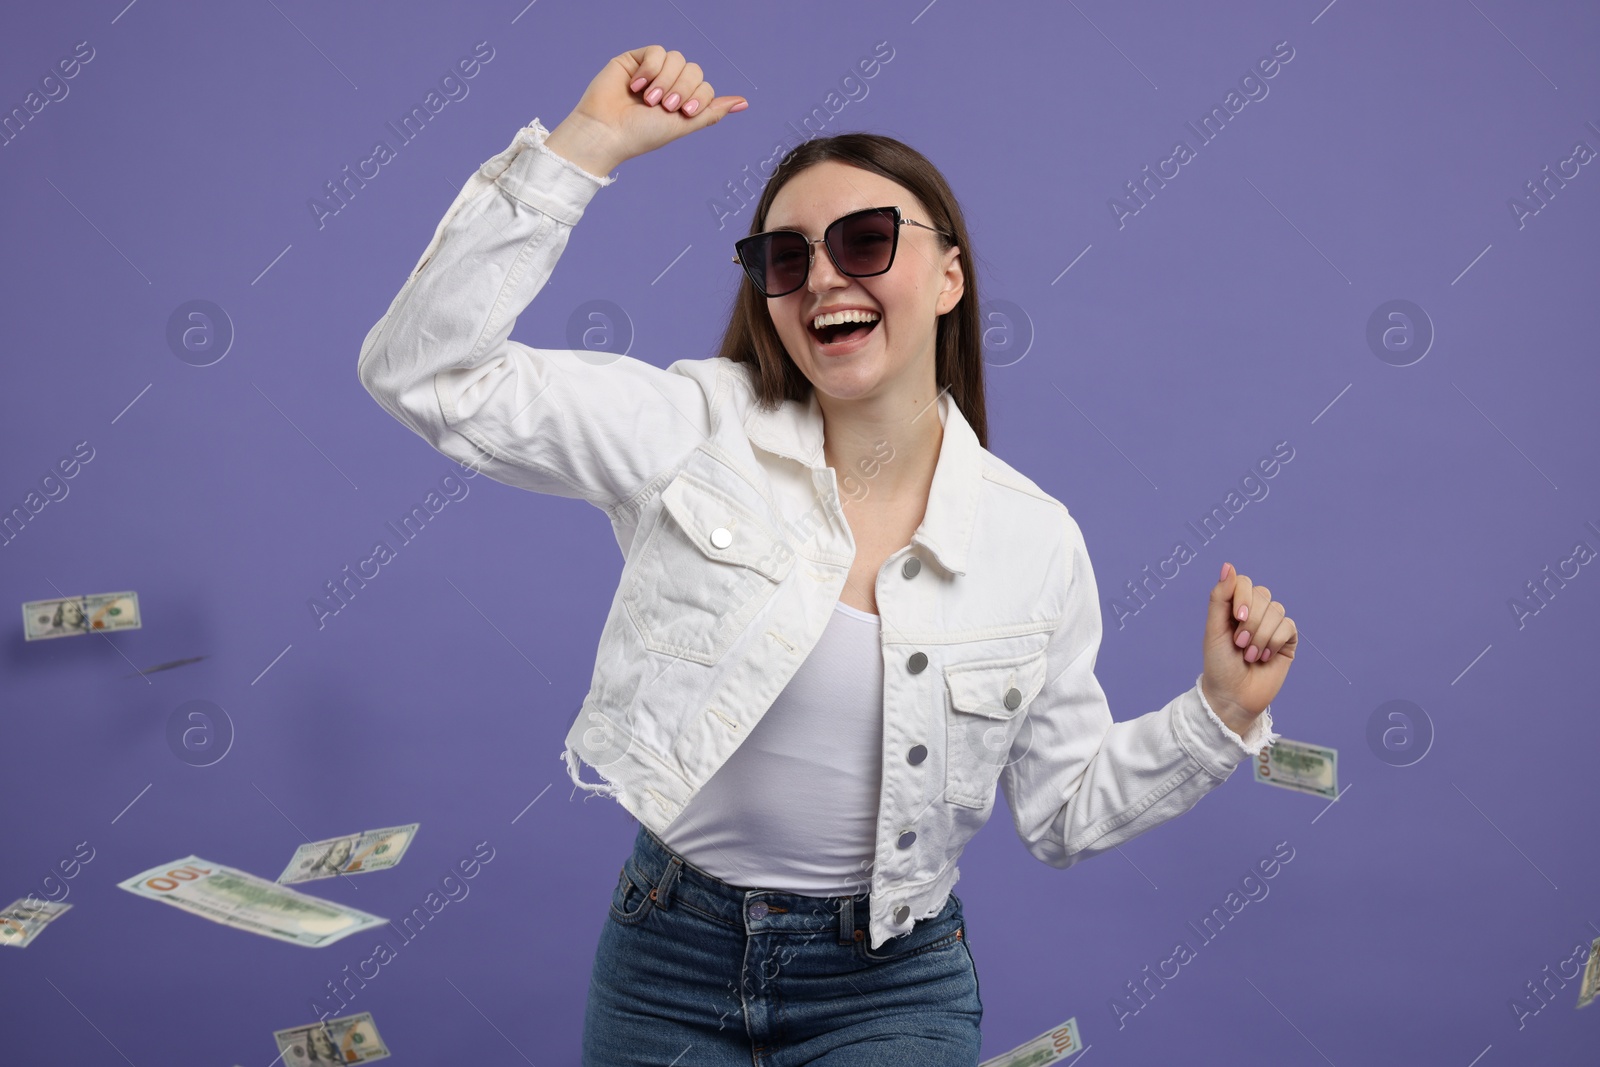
1298 765
1591 976
1051 1047
243 901
351 1039
371 850
22 921
74 615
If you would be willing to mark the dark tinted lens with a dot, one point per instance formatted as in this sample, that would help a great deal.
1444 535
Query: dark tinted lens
862 243
776 262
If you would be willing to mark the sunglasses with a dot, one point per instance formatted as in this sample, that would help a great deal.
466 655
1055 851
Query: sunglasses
861 244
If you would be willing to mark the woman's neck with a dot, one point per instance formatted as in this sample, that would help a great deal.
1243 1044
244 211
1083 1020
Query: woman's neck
885 453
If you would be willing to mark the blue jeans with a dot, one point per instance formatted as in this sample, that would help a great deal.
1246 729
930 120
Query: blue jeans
693 971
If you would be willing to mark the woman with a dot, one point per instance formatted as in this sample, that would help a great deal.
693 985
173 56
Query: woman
807 700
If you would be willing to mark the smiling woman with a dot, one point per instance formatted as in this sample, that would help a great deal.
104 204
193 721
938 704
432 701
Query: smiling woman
807 699
784 266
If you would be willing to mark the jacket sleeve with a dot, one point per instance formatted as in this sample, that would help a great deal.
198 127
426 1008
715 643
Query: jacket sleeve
591 425
1079 784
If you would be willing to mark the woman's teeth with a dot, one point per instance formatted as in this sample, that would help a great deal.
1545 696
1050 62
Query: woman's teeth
843 326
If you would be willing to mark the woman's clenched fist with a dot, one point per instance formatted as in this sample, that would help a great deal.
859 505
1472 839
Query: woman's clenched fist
639 101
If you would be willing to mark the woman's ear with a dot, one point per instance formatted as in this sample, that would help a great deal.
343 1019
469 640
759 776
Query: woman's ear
955 281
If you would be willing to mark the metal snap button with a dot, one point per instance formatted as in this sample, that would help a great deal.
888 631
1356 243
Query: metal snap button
917 662
758 910
902 913
721 538
911 566
1013 698
907 838
917 754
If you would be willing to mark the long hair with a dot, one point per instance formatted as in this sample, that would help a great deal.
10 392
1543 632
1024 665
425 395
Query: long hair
958 340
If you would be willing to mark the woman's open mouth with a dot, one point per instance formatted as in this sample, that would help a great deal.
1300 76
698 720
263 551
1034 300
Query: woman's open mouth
841 338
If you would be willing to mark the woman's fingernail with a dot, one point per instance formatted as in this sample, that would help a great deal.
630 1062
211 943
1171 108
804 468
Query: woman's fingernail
691 107
1244 612
652 96
1224 573
1266 654
1251 654
1242 639
671 102
638 83
740 106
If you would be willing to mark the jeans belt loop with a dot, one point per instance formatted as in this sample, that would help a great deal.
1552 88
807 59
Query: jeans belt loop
662 893
847 920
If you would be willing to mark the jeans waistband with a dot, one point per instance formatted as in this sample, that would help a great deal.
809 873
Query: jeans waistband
673 880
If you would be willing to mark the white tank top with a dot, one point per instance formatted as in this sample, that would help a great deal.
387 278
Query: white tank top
795 808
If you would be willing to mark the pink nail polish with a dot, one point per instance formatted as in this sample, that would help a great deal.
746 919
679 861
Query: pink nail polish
691 107
671 102
638 83
1266 654
740 106
1244 612
1243 638
652 96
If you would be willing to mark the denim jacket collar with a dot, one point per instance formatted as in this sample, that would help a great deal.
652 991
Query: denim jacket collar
795 430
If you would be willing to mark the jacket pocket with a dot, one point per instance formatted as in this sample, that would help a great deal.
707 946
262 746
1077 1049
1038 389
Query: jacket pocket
988 699
706 568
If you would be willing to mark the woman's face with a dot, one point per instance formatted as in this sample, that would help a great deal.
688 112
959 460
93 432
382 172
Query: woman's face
924 283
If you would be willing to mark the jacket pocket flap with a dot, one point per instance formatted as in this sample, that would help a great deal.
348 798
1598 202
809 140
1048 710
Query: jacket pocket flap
724 529
996 688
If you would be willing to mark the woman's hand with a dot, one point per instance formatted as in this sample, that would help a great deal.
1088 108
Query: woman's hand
639 101
1248 646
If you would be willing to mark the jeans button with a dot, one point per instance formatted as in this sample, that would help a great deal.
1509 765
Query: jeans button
758 910
1013 698
902 913
917 754
917 662
907 838
911 566
721 538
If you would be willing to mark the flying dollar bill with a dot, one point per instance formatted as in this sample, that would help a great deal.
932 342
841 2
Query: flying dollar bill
25 918
1050 1047
73 615
370 850
243 901
349 1039
1591 976
1299 765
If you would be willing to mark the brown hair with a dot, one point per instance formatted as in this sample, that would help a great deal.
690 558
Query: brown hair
958 338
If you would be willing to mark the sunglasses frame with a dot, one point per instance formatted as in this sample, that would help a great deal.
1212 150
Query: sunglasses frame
811 248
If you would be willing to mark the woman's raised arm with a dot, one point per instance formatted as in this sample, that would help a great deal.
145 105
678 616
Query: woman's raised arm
570 423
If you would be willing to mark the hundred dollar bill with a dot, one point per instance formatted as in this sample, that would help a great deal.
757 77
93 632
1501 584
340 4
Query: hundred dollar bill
1050 1047
370 850
1299 765
1591 976
25 918
350 1039
241 900
80 615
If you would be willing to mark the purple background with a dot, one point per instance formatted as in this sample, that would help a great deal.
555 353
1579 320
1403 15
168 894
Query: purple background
1229 314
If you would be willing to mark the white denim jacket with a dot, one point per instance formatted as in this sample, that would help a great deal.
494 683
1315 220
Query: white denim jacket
737 548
